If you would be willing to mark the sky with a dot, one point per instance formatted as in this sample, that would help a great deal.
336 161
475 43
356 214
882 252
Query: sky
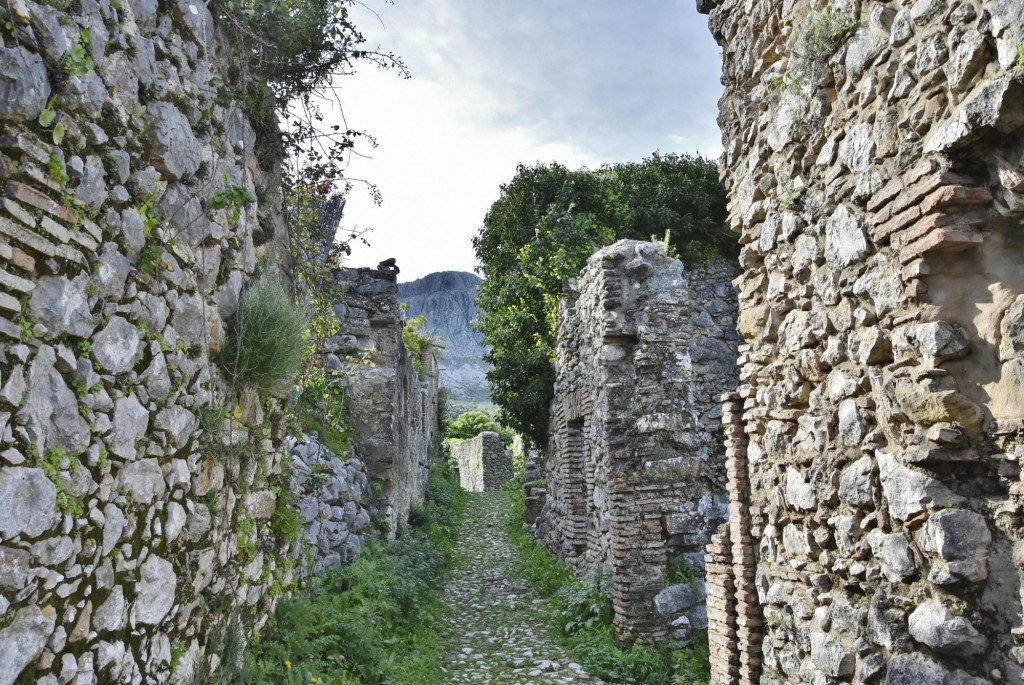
495 83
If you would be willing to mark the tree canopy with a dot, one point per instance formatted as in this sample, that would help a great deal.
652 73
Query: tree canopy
543 228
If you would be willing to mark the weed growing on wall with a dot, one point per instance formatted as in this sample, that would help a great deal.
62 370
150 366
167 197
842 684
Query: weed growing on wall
581 617
264 346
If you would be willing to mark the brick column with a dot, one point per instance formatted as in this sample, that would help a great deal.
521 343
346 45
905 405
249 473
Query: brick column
734 616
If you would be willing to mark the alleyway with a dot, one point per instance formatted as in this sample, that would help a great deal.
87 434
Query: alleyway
498 627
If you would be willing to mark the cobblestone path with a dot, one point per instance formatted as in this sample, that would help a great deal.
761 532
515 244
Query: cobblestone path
497 625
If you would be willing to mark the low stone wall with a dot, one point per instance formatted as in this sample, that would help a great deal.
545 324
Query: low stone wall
393 405
484 466
336 503
634 465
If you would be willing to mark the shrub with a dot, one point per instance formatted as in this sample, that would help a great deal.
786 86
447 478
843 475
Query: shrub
265 340
415 342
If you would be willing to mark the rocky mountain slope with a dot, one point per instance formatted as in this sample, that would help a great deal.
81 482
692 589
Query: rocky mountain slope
446 299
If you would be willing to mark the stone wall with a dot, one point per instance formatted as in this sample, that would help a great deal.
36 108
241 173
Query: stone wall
874 159
392 402
136 483
336 502
635 483
484 466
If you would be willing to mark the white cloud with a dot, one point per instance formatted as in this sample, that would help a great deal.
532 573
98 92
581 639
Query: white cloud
506 81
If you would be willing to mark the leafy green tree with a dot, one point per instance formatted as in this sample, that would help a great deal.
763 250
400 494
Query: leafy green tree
541 231
472 423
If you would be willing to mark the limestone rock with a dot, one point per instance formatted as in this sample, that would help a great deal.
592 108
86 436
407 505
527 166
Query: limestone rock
261 504
28 502
961 538
175 149
14 568
131 420
855 484
142 480
845 241
831 656
894 554
111 272
23 640
154 593
1011 328
175 521
908 491
113 526
936 626
24 84
179 424
61 304
112 615
117 346
799 493
46 415
675 599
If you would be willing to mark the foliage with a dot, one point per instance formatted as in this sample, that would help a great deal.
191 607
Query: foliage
581 616
1020 56
286 523
78 61
541 231
470 424
51 464
263 343
375 620
416 343
232 197
820 34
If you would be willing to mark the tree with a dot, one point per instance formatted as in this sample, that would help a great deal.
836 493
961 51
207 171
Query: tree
541 231
472 423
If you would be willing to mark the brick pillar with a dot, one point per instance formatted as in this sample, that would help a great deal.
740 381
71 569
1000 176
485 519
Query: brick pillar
734 615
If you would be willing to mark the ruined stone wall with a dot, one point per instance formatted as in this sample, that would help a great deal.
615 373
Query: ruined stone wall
337 503
635 482
393 405
874 159
484 466
136 483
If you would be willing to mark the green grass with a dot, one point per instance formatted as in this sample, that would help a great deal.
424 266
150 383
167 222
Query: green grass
581 616
375 621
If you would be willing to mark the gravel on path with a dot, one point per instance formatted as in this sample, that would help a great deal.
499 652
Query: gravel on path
497 624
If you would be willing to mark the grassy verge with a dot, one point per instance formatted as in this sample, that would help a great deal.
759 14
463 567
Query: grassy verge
375 621
581 617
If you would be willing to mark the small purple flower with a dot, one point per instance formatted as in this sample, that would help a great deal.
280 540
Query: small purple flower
246 505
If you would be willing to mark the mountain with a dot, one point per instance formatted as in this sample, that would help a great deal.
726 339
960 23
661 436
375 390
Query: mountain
446 299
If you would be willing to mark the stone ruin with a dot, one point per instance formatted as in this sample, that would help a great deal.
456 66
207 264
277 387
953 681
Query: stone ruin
137 482
874 157
484 465
393 406
634 479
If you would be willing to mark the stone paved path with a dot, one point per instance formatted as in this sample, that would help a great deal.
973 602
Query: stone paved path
497 624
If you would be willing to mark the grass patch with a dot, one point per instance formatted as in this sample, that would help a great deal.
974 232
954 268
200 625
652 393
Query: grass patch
376 620
265 344
581 618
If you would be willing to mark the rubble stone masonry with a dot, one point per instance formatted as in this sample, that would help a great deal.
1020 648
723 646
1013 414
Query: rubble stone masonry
392 404
874 159
484 466
634 466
